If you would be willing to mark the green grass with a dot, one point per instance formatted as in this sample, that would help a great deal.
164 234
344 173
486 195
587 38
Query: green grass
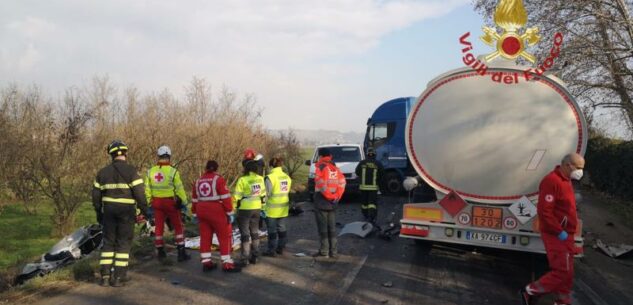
25 237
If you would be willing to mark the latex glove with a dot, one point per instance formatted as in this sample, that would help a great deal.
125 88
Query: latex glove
563 236
150 213
140 218
230 217
262 214
194 219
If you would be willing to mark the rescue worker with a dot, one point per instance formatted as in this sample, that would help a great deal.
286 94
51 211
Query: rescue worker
214 211
558 224
117 193
370 172
328 190
164 189
278 186
249 197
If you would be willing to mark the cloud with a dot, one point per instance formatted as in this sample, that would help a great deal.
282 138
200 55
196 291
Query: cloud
263 46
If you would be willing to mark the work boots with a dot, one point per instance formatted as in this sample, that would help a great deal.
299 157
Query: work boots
105 275
231 268
161 253
206 267
182 254
526 298
119 277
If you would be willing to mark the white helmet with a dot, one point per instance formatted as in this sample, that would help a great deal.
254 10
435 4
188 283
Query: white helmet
164 150
259 157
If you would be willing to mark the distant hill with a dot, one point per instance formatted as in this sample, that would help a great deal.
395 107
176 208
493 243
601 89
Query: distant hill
317 137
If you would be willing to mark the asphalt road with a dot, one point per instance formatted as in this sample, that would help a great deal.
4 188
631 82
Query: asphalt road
368 271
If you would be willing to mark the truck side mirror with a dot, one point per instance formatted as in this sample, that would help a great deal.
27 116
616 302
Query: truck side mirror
307 162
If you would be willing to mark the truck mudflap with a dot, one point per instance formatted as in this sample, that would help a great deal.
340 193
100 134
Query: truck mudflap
430 222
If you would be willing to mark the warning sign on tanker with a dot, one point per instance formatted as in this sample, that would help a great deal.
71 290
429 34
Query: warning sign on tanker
523 210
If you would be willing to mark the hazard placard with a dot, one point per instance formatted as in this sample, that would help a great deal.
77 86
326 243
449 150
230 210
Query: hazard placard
452 203
523 210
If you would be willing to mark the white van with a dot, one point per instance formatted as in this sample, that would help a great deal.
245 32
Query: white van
346 157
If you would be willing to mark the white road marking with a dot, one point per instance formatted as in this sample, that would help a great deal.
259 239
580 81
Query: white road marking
347 282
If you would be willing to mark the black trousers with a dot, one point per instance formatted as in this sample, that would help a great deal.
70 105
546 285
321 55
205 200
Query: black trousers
118 233
248 223
369 206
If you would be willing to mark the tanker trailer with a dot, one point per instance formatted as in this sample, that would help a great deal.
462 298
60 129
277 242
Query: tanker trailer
484 145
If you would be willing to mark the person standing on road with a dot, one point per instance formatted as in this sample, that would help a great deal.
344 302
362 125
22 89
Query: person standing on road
278 186
211 205
329 186
164 189
370 172
116 194
249 197
558 224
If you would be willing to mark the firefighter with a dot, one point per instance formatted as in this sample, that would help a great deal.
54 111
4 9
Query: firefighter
370 172
214 211
558 224
249 197
328 190
117 193
164 189
278 186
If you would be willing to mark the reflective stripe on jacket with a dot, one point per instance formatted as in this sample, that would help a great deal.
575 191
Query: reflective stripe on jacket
250 192
278 185
370 172
163 181
118 183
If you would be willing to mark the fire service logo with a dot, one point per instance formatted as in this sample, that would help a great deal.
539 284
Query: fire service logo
511 43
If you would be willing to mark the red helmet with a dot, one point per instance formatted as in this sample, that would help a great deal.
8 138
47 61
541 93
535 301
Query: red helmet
249 154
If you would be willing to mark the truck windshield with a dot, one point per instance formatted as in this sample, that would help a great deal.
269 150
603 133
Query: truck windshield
343 154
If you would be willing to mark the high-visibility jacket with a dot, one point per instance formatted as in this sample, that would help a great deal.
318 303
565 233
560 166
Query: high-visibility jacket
278 186
118 183
163 181
249 192
328 179
211 188
370 173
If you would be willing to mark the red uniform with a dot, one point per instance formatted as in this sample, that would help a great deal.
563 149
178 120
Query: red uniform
557 213
211 203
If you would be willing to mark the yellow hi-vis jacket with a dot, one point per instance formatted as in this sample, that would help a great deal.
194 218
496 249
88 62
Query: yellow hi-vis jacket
250 191
278 187
163 181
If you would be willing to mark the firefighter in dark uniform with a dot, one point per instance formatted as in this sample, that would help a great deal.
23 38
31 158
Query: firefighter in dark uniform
370 172
117 193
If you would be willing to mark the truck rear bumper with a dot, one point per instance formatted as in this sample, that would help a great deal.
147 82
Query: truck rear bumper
473 236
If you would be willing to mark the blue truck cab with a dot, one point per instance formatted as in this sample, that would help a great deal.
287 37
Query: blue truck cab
385 133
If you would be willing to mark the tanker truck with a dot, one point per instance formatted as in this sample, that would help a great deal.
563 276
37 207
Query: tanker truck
484 145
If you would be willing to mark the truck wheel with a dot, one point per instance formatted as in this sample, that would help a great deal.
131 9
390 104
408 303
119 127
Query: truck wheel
393 184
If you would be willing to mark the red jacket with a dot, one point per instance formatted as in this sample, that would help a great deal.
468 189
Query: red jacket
328 179
557 204
211 187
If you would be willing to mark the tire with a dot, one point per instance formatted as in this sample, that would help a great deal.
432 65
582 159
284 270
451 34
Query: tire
393 183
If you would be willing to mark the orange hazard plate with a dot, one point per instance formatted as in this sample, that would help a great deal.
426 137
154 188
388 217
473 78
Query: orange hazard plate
419 213
486 217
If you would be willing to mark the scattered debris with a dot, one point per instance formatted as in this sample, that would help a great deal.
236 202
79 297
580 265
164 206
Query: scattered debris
359 228
300 254
610 224
613 250
385 301
175 282
72 247
293 282
194 242
387 284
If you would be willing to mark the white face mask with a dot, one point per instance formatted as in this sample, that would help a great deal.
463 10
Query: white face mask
576 174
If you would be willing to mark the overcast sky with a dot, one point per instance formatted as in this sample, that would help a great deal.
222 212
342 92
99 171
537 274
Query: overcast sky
311 64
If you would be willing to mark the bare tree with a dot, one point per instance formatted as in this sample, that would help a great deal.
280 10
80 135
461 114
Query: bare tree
597 56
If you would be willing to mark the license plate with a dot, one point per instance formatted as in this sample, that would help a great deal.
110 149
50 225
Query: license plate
487 237
487 217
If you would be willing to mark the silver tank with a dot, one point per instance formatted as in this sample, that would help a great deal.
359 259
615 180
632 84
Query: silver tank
492 142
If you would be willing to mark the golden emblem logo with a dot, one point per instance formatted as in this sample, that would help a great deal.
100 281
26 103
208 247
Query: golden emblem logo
510 15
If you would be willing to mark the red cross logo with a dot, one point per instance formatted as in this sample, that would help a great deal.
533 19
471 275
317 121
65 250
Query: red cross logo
158 177
204 189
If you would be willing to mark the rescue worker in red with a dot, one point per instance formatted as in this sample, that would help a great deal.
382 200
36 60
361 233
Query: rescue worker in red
558 224
165 192
213 208
329 186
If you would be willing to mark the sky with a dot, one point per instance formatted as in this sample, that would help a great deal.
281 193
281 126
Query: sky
323 64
